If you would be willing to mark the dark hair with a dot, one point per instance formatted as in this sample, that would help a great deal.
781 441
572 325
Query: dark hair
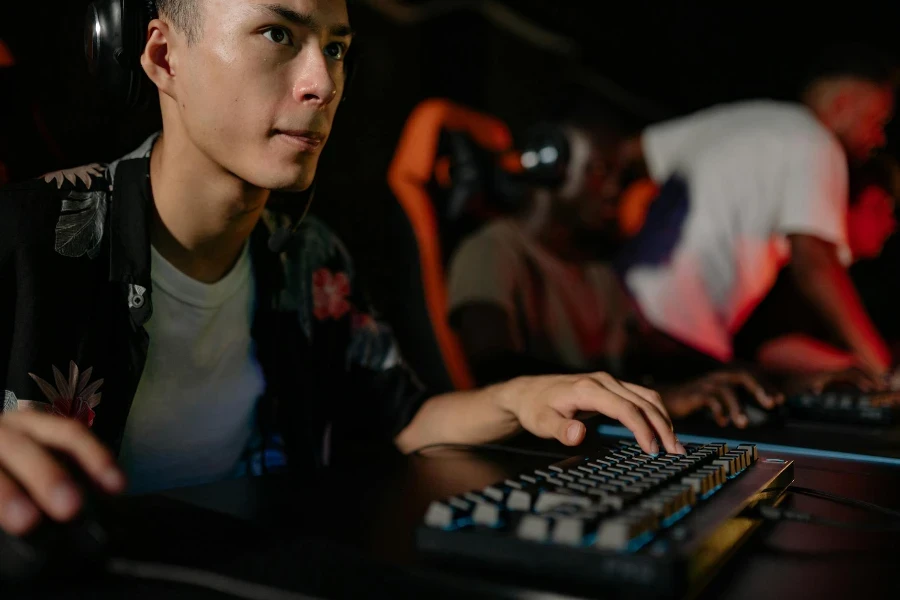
881 171
857 61
185 15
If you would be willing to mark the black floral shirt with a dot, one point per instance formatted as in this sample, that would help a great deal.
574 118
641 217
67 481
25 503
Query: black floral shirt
75 293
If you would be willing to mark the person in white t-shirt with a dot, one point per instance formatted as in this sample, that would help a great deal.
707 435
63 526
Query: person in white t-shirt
748 187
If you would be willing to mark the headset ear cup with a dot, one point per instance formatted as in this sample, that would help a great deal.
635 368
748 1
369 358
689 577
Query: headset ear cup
545 155
115 35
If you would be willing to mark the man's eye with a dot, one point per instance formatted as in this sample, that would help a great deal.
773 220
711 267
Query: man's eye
279 35
336 50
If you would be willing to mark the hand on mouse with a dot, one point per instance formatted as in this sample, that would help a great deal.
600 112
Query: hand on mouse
34 483
717 391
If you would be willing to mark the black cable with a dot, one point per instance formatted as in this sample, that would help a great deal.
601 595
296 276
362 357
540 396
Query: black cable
493 447
776 514
209 580
860 504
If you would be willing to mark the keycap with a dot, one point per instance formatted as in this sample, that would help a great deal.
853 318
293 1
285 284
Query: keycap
487 514
719 447
529 478
751 449
569 530
533 527
698 483
520 500
477 498
439 515
617 532
494 493
460 504
613 501
518 485
548 501
658 505
724 463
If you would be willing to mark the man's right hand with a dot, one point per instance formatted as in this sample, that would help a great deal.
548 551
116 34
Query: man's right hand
33 483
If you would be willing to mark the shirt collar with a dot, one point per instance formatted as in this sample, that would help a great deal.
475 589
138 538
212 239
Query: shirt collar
129 238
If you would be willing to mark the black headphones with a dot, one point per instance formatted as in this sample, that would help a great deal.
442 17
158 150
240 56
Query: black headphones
115 34
545 155
114 37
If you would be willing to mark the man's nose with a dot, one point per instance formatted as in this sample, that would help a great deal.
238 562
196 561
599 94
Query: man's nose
315 84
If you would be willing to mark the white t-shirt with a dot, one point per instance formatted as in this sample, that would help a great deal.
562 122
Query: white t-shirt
755 172
193 412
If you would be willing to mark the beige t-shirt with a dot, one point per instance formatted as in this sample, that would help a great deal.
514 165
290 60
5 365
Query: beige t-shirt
571 315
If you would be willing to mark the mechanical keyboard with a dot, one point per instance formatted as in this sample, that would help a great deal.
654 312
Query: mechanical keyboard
618 521
880 408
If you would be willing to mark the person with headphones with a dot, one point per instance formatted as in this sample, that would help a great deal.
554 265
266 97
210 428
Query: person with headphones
534 292
164 322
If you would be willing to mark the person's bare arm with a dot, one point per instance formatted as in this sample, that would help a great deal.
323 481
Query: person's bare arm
822 279
546 406
800 353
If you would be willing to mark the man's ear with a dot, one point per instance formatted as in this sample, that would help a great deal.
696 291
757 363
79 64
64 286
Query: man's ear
158 58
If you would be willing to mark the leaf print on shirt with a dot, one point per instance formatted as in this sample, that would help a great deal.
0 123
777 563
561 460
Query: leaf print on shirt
80 226
74 398
85 174
10 402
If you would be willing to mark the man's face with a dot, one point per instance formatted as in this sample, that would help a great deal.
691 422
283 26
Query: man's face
258 89
860 113
870 222
591 187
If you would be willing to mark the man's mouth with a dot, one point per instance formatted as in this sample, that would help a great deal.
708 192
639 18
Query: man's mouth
303 140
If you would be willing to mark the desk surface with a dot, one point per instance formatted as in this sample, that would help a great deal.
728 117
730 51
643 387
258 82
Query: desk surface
348 533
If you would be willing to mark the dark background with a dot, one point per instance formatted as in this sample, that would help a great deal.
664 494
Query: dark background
664 58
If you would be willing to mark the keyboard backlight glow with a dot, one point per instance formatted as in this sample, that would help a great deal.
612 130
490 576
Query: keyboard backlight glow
674 518
640 541
711 492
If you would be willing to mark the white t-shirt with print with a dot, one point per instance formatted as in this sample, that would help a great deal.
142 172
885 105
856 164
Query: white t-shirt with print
755 172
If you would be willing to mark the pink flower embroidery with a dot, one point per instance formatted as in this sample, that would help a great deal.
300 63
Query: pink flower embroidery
330 291
73 399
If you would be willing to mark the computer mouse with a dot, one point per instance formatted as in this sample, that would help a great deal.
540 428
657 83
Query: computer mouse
54 550
756 414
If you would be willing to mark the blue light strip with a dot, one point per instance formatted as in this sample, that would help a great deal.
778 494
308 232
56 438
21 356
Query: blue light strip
671 520
619 431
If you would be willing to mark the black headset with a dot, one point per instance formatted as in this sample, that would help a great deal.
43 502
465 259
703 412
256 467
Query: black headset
115 33
545 155
114 37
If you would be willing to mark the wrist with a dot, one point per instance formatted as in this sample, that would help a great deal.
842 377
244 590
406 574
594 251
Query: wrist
507 396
